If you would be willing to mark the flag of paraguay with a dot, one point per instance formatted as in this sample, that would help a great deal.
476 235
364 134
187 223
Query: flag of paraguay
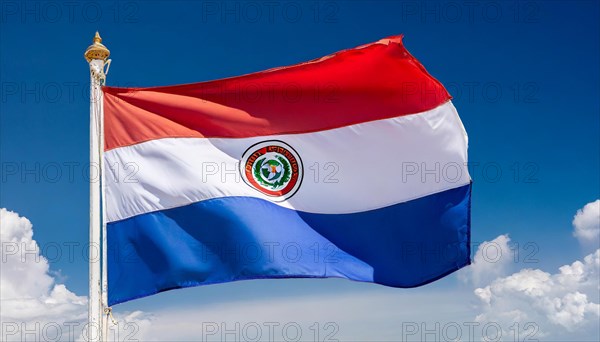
352 165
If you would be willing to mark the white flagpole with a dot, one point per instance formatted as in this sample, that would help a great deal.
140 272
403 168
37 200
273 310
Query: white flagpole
96 55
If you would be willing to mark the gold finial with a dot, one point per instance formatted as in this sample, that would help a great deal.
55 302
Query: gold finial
96 50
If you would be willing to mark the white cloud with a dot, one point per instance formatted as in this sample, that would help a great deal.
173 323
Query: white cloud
33 305
493 259
31 300
587 224
559 306
371 312
563 305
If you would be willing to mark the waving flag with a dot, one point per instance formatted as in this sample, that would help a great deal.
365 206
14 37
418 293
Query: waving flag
352 165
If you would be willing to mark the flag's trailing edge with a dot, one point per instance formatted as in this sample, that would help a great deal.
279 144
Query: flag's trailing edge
351 166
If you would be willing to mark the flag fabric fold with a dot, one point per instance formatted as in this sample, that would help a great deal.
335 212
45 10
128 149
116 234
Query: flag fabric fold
352 165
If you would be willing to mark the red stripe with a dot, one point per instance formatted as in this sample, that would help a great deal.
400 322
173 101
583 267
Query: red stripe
372 82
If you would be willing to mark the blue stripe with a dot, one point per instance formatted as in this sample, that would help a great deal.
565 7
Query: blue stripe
236 238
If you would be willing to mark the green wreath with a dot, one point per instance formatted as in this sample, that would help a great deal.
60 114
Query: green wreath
287 173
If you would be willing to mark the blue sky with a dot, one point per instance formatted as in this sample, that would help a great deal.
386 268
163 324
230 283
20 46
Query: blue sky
524 75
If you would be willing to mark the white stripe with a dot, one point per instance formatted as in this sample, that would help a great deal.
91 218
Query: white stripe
349 169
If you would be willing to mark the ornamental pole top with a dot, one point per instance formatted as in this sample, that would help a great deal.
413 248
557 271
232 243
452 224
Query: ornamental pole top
97 50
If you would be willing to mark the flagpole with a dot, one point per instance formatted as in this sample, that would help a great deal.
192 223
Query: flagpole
97 57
